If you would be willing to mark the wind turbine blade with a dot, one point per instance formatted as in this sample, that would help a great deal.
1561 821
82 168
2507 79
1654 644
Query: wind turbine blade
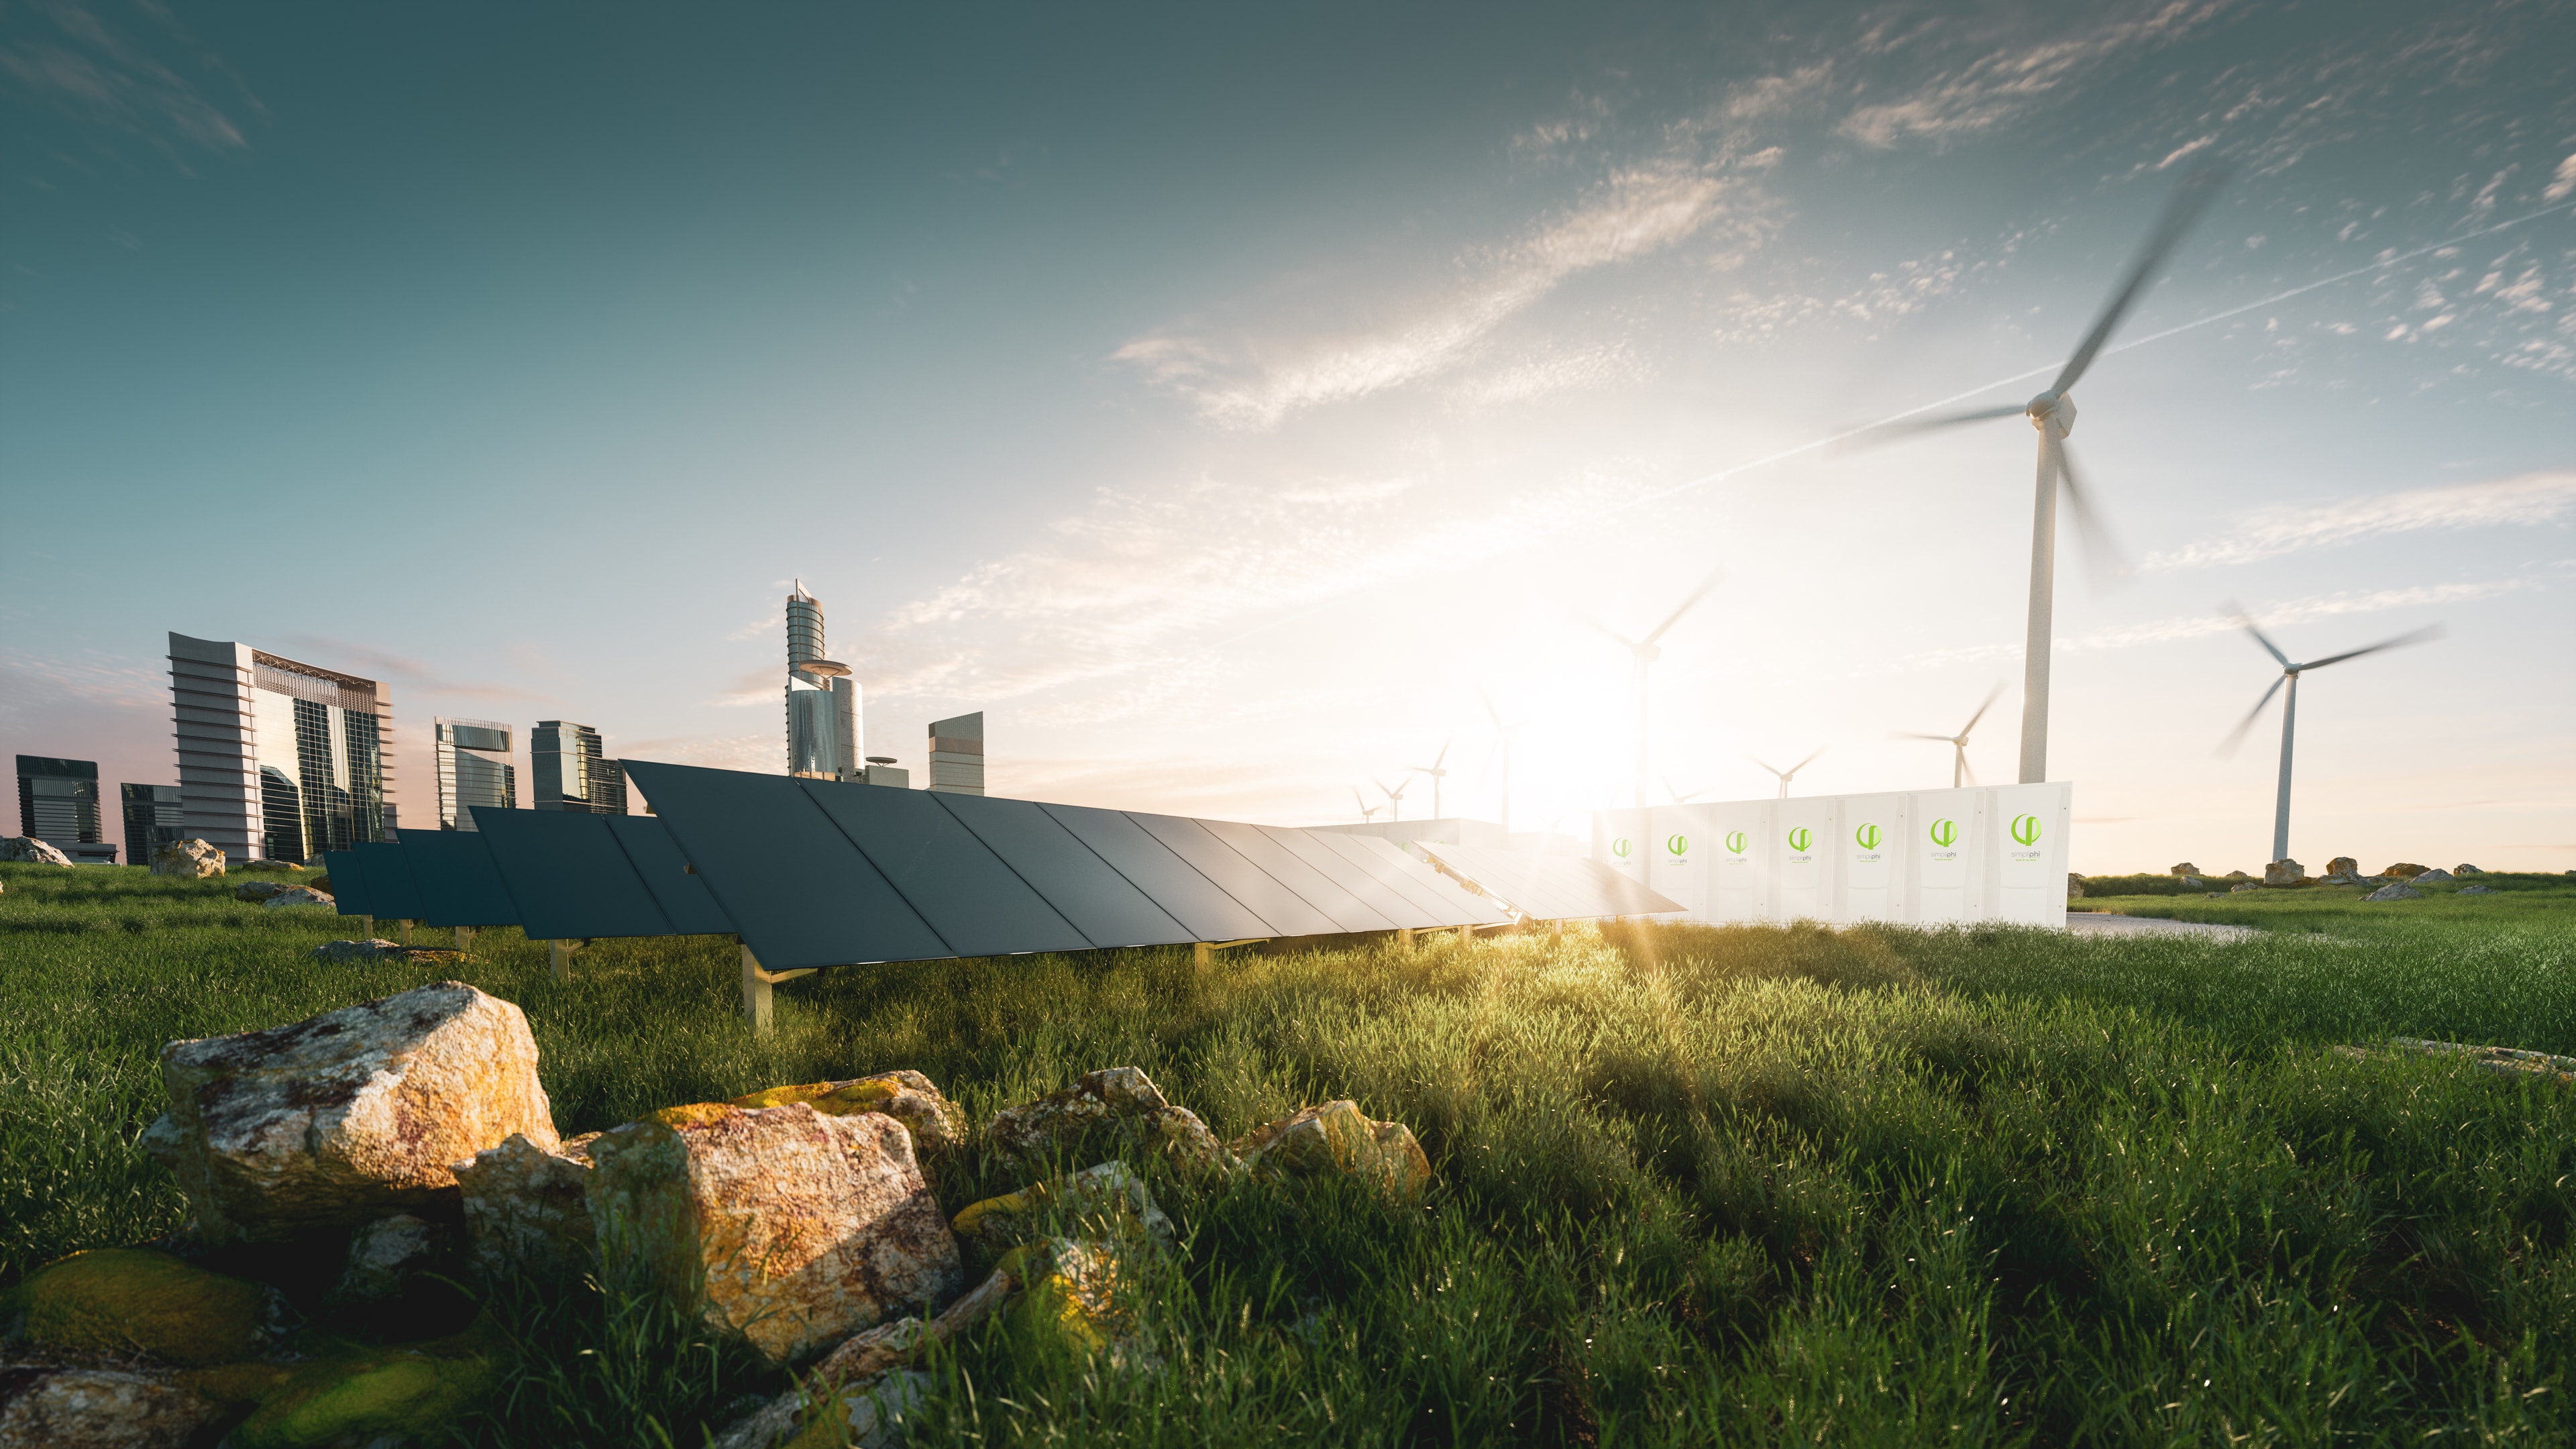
1490 712
2246 620
1597 627
2424 635
1809 760
2104 561
1909 735
1903 428
1442 758
1757 760
2236 736
1715 577
1992 695
1669 790
2180 213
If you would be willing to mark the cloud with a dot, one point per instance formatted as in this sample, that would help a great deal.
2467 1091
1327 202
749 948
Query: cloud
92 678
2179 627
109 84
2562 182
1577 370
373 663
2529 498
2000 85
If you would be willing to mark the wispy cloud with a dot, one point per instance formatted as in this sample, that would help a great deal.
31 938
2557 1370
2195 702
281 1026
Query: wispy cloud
2530 498
1547 374
99 78
2284 614
2000 85
373 663
30 680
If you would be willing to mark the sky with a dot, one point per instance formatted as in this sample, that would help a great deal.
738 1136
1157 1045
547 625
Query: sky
1241 404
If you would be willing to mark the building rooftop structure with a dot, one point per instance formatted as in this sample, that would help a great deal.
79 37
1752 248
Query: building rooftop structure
822 699
278 759
58 800
474 768
957 754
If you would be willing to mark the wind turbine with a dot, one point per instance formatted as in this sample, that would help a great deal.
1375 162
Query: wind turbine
1959 742
1645 652
2052 413
1790 773
1681 799
2290 710
1394 797
1367 811
1503 742
1436 773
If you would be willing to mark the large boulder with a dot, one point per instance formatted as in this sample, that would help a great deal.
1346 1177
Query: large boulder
789 1226
1337 1138
257 891
2184 868
2429 877
2466 870
527 1210
2343 865
58 1407
908 1097
2284 872
2403 870
1121 1100
188 859
297 896
2396 890
28 850
120 1301
347 1116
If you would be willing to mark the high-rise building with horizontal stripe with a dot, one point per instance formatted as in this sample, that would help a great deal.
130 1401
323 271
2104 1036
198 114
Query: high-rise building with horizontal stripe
278 759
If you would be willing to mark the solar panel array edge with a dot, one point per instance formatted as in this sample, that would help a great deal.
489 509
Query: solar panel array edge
1196 903
348 882
1105 906
1424 878
459 885
1281 911
568 876
390 886
1397 909
681 893
958 885
1302 880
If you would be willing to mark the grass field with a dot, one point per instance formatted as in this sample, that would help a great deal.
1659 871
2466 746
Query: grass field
1877 1186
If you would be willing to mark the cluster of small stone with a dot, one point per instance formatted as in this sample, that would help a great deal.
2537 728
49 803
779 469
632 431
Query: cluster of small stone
343 1171
2397 883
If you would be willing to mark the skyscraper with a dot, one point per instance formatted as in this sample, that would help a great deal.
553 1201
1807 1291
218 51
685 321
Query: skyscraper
58 800
278 760
153 818
957 754
822 699
473 769
571 772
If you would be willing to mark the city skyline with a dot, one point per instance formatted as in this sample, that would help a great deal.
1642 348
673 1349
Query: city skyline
1230 460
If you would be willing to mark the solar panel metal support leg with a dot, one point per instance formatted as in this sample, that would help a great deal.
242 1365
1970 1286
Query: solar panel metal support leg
464 937
406 929
1404 939
755 991
366 928
1203 955
560 957
1466 934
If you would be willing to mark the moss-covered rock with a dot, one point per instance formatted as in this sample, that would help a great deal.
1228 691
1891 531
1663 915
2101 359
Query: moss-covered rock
360 1395
1110 1189
908 1097
138 1300
1072 1294
1338 1137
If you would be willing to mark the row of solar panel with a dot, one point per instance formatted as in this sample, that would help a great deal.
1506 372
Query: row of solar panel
1548 887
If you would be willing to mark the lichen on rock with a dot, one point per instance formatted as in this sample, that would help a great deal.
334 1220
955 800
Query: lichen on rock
66 1407
365 1396
1337 1137
188 859
1120 1099
28 850
527 1210
906 1096
1111 1189
116 1301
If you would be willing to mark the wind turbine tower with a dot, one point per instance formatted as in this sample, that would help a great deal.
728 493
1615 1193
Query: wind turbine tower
1645 652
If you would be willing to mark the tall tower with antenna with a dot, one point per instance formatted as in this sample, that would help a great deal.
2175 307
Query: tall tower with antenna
822 698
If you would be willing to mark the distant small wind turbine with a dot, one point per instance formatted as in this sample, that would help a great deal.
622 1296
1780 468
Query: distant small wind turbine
1958 743
2290 709
1436 773
2052 413
1681 799
1790 773
1394 797
1366 809
1502 742
1645 653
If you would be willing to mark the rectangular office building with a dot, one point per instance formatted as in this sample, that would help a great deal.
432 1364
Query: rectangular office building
153 818
957 754
473 769
571 772
278 759
58 800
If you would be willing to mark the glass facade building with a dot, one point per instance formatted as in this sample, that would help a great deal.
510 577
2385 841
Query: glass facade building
278 759
58 800
473 769
572 772
822 699
957 754
153 819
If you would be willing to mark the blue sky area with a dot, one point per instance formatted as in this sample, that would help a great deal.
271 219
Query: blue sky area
1220 397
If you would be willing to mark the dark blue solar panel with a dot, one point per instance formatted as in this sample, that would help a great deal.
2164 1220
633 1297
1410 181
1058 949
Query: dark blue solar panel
794 886
975 901
1389 902
458 885
1102 904
567 876
1203 909
665 872
348 882
1302 877
1259 891
390 887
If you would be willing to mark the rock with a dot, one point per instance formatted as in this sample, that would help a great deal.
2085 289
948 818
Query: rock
2190 882
527 1210
97 1408
1110 1188
2284 872
139 1300
907 1097
789 1226
2395 891
346 1116
2242 886
2236 875
1121 1099
2186 868
2477 890
2343 865
2403 870
298 896
2466 870
260 890
188 859
1072 1293
383 950
2430 877
855 1369
321 883
374 1396
1337 1137
27 850
2074 886
386 1254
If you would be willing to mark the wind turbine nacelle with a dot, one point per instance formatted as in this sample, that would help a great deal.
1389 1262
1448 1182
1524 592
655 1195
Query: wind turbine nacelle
1648 653
2052 407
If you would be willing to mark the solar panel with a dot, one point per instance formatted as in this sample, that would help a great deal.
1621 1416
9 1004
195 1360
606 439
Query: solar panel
1312 886
968 894
1103 905
1259 892
1438 900
1349 877
567 877
1204 910
794 886
458 884
390 888
665 872
348 882
1551 887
